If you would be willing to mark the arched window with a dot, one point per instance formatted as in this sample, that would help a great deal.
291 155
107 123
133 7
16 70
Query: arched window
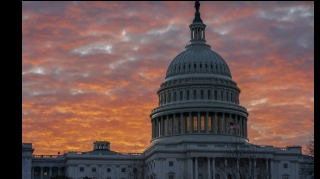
200 64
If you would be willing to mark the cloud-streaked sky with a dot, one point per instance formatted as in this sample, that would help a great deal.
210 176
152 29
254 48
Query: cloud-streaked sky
90 70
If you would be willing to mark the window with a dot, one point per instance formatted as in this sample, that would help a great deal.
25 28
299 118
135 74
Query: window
170 163
221 96
194 94
187 123
200 164
202 95
135 170
209 94
209 123
285 165
206 65
202 123
195 123
227 96
108 170
123 169
165 98
215 95
45 173
169 100
285 176
181 95
175 96
93 169
195 65
184 66
200 176
81 169
200 64
188 95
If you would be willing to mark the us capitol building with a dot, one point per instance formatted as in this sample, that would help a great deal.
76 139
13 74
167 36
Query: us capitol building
199 131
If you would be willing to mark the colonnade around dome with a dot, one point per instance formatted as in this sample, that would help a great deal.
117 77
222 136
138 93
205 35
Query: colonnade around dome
199 123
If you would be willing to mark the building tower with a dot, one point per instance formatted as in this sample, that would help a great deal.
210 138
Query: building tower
198 100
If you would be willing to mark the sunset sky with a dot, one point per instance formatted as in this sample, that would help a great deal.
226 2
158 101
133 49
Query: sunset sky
90 70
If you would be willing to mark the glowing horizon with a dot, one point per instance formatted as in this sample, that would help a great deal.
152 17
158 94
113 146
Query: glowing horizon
90 70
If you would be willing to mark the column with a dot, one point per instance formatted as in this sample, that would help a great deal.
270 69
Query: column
183 124
152 129
50 171
161 127
41 172
214 123
254 168
32 172
213 168
246 127
191 122
174 118
267 164
207 123
297 168
58 171
157 127
238 169
167 125
191 168
199 124
225 166
224 121
271 169
250 168
191 32
196 167
208 159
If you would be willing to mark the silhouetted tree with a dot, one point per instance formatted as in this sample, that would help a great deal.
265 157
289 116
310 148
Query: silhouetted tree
240 163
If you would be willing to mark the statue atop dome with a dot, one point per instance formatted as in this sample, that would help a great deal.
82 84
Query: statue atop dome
197 13
197 6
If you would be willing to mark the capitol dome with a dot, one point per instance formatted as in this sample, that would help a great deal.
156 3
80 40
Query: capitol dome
198 100
198 59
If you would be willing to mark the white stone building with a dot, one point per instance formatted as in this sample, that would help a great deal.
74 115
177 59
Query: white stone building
199 131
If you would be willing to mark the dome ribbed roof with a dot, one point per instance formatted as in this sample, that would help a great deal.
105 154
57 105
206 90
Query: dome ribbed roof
198 59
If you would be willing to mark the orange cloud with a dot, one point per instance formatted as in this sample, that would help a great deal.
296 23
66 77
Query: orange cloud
90 70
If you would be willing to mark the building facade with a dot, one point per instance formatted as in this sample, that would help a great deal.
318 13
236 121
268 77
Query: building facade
199 131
